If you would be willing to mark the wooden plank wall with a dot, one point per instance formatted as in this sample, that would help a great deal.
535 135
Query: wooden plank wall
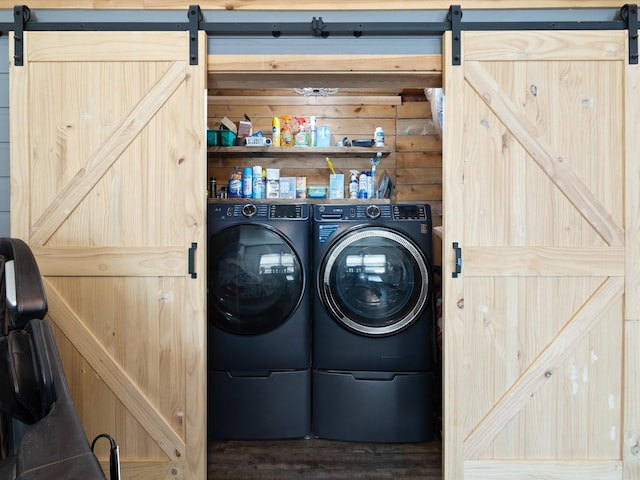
353 121
418 155
414 164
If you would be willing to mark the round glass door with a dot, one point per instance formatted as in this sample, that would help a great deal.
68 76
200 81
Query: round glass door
255 279
374 281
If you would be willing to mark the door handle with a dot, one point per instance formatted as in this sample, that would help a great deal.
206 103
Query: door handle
192 260
458 265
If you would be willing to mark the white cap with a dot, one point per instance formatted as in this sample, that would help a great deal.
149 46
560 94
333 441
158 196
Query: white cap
273 173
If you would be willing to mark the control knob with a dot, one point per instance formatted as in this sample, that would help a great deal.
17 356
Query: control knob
373 211
249 210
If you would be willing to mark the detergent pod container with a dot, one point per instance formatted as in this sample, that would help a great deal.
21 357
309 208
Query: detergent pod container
324 136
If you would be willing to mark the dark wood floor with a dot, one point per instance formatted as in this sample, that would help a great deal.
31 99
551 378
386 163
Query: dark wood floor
316 459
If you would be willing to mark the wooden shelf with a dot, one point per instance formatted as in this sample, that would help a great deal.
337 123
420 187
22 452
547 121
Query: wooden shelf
339 201
296 151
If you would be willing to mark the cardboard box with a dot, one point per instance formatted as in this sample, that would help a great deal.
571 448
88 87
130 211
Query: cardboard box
336 185
273 183
245 129
317 191
227 124
287 187
301 187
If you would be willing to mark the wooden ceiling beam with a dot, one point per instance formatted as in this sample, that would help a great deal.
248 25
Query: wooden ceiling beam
301 100
354 74
325 63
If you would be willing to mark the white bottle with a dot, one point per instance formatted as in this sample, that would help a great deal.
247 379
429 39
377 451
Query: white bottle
378 137
353 184
363 184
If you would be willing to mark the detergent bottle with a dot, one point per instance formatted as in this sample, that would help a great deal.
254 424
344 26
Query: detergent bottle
324 136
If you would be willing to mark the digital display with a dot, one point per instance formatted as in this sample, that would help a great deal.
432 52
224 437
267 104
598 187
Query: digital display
285 211
409 212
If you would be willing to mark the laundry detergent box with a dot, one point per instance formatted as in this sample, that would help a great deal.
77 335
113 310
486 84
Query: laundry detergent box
336 185
287 187
301 187
317 191
273 183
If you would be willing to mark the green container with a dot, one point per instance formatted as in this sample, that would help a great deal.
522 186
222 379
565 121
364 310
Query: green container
220 138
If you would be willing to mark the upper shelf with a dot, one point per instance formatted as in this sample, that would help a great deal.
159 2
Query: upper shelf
297 151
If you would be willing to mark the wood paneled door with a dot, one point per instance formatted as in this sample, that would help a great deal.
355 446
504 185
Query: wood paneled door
108 153
541 195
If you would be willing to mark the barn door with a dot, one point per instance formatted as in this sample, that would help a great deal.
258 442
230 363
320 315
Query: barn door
107 187
541 173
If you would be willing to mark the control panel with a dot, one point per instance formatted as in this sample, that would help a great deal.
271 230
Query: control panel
372 212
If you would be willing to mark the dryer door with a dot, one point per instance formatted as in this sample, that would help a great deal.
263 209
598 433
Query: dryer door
255 279
374 281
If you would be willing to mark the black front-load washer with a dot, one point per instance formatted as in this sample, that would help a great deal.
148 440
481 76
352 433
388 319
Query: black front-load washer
373 328
259 317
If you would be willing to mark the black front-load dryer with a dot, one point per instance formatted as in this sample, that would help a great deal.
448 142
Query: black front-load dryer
259 320
373 328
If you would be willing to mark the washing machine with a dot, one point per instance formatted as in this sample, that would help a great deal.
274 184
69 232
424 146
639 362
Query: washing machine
259 320
373 330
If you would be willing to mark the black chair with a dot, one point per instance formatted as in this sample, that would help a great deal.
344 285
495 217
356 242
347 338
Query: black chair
41 436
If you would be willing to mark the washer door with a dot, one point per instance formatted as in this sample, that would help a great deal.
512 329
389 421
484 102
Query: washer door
374 281
255 279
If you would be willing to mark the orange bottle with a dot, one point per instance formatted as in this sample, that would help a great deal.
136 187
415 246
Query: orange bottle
286 132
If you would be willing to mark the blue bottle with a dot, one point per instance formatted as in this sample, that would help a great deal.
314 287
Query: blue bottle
235 183
258 187
247 182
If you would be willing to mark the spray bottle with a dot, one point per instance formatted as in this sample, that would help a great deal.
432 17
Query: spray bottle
374 163
286 132
313 132
235 183
353 184
300 138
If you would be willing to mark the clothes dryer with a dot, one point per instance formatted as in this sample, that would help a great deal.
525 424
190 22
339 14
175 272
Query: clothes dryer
373 329
259 317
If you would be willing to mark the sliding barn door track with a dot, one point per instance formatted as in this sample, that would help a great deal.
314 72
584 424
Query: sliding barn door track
626 19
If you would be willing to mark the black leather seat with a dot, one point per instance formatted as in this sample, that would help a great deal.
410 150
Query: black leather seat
40 434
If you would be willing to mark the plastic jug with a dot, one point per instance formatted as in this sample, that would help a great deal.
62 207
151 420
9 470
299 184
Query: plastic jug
324 136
